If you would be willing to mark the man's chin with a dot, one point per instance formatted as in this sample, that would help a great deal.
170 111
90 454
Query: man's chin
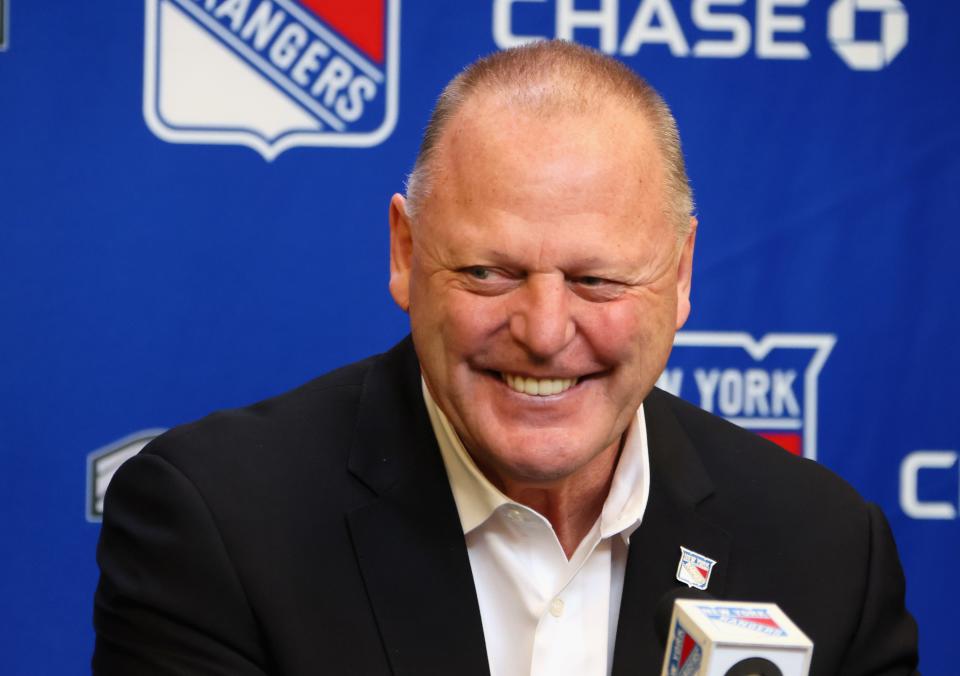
535 461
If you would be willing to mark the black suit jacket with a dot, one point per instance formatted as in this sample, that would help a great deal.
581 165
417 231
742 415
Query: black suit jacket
315 533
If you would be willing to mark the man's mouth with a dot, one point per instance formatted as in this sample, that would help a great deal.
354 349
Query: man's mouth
539 387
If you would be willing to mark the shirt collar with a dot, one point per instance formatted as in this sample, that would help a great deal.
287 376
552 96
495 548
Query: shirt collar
477 499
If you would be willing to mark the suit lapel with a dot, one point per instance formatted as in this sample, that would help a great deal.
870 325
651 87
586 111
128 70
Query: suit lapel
679 482
408 541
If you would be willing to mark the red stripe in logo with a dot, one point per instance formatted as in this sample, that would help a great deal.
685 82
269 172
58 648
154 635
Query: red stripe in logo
790 441
360 21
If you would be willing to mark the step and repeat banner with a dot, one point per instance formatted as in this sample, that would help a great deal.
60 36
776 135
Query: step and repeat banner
193 215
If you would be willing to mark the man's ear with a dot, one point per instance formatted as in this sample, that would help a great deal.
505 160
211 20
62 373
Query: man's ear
401 252
685 274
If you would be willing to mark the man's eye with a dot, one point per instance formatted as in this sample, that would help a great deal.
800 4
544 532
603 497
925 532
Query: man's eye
478 272
597 289
590 281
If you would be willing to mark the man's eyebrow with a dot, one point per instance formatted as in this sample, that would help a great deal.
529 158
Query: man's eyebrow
495 256
580 262
574 266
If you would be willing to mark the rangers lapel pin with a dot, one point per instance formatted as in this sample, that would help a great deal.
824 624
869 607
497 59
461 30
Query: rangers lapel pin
694 569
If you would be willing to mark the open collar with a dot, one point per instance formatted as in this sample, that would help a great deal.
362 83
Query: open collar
409 542
477 498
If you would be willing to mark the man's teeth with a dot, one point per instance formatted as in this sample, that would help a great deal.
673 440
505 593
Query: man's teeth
540 387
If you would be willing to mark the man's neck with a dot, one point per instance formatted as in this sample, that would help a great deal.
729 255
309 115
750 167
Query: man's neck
572 504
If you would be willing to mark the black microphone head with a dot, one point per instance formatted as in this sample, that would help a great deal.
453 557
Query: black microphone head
754 666
664 609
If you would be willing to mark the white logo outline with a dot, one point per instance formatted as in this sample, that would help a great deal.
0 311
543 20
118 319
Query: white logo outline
269 150
4 25
113 454
821 343
868 54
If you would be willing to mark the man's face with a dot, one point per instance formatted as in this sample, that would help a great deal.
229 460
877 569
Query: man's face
544 284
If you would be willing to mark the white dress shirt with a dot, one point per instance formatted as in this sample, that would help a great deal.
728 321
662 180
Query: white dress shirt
543 614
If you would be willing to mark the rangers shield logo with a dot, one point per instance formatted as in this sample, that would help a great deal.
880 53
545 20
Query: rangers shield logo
767 385
271 74
694 569
104 462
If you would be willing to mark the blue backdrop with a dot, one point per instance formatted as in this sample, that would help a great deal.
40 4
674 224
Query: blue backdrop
193 215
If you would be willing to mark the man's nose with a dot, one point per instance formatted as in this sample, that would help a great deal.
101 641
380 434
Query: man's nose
541 319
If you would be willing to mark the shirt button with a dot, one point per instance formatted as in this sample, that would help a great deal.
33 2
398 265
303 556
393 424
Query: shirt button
556 607
514 514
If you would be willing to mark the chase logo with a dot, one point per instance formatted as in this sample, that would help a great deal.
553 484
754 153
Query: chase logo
867 54
767 385
104 462
711 29
271 74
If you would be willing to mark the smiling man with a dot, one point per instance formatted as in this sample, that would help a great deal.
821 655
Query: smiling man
506 492
543 276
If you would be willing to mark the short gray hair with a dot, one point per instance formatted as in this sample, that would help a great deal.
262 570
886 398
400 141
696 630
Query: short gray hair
555 74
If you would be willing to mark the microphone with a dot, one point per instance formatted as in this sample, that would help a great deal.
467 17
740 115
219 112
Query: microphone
709 637
663 612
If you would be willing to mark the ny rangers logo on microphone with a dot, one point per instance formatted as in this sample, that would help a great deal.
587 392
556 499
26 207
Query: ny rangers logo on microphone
271 74
754 619
769 385
685 655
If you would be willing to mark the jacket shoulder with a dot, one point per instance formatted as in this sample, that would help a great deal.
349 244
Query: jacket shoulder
753 467
803 537
318 415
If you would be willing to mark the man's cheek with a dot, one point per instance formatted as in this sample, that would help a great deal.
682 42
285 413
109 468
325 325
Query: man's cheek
470 321
616 333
